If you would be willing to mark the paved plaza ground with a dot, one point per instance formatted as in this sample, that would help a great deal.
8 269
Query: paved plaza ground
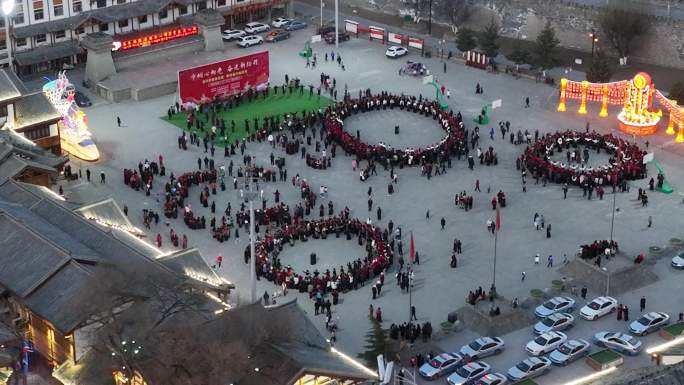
439 289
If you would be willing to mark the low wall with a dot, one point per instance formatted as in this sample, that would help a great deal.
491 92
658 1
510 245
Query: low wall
154 91
508 321
146 57
623 280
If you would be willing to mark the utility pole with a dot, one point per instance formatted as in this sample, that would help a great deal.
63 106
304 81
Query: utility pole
430 19
322 13
337 21
249 195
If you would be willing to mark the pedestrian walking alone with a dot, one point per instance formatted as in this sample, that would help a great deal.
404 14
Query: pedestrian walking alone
642 304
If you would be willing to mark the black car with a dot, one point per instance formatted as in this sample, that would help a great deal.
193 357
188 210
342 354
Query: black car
326 30
82 100
330 37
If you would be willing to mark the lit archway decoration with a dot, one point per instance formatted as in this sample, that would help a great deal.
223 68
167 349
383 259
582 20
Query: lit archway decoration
636 96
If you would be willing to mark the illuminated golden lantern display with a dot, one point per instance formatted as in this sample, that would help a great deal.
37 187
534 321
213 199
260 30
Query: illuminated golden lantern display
636 96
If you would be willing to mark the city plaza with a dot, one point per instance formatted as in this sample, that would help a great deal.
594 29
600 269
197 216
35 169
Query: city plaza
437 289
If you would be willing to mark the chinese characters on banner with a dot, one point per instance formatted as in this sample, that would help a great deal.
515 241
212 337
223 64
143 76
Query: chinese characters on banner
223 79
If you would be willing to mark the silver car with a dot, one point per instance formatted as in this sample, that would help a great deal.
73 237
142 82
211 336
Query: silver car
482 347
555 305
528 368
557 322
648 323
620 342
469 372
440 365
569 351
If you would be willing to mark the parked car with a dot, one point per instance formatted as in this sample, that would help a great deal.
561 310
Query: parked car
294 25
545 343
330 37
529 368
678 261
278 35
468 373
492 379
440 365
569 351
648 323
256 27
250 40
598 307
325 30
555 305
396 51
279 22
617 341
233 34
482 347
558 321
82 100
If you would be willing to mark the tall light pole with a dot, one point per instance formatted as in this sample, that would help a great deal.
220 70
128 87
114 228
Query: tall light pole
337 21
430 19
594 40
249 195
7 8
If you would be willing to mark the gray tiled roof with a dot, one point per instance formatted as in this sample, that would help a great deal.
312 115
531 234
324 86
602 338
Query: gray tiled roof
34 109
191 263
45 53
11 144
11 88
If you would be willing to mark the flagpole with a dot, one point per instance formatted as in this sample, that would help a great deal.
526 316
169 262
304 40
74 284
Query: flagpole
411 257
496 234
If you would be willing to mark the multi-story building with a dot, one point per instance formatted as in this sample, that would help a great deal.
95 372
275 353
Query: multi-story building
44 34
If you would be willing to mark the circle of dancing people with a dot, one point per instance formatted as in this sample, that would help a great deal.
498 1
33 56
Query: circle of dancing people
378 257
625 162
435 155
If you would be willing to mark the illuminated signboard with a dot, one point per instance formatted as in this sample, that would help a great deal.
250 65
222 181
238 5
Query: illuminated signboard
157 38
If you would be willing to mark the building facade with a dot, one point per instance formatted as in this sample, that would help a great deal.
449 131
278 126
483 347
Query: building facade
45 34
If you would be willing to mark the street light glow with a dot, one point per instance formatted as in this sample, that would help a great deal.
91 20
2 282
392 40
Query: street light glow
665 346
7 7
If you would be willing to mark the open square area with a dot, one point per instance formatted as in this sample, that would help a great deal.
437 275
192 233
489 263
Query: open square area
400 227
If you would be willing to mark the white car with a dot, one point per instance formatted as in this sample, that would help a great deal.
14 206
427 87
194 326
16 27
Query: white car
555 305
232 34
492 379
545 343
250 40
531 367
256 27
620 342
554 322
396 51
678 261
468 373
440 365
279 22
648 323
482 347
598 307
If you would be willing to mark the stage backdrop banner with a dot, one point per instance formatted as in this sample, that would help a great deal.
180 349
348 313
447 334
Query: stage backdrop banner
225 78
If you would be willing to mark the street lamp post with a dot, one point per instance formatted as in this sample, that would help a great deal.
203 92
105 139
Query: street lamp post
594 40
322 5
430 19
249 195
7 8
337 19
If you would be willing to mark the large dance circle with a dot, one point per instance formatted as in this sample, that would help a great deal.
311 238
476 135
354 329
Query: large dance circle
376 257
452 124
625 159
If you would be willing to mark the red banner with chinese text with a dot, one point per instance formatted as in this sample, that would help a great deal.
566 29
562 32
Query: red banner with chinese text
223 79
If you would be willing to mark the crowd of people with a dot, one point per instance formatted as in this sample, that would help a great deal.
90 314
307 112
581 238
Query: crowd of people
625 162
453 141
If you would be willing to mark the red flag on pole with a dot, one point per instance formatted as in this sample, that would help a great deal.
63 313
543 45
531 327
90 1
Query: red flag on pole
498 218
412 250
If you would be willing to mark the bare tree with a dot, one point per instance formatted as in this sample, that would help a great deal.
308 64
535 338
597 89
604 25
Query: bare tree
458 11
622 22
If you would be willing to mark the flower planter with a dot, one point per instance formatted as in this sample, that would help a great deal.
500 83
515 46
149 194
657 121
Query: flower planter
447 327
655 250
604 359
673 331
676 242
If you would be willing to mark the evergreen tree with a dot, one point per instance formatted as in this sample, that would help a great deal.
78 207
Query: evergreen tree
545 55
600 70
677 92
465 39
488 40
520 55
378 342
